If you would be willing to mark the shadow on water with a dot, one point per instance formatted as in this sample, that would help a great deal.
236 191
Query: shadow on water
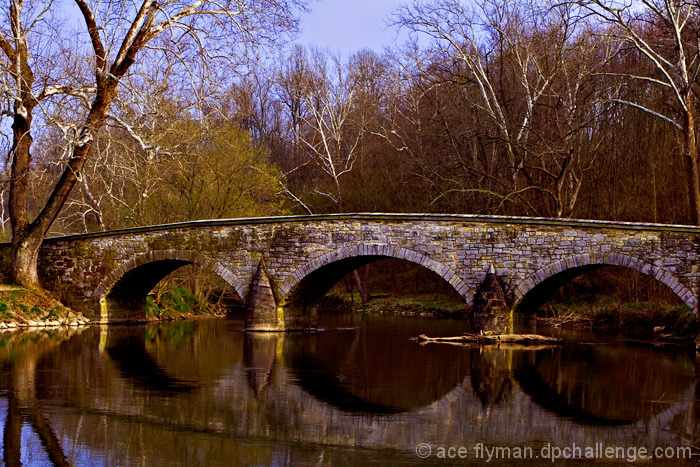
589 385
549 397
599 385
136 364
362 370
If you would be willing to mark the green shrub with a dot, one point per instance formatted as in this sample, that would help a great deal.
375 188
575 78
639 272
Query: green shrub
53 313
153 310
176 301
4 312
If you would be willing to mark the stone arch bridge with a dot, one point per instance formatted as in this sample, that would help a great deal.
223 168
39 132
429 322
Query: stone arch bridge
279 265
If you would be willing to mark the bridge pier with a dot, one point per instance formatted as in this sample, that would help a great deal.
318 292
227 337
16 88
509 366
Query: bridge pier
130 310
491 311
262 313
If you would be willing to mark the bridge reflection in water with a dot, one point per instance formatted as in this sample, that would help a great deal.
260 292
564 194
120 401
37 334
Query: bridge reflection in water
207 393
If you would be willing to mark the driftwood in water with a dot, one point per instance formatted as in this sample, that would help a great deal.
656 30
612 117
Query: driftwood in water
528 339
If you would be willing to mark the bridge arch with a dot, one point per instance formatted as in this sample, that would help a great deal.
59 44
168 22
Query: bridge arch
143 272
559 272
366 254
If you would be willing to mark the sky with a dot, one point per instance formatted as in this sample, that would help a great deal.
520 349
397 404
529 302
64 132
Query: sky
349 25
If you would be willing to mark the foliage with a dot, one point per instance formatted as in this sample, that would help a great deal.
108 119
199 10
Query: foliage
4 313
18 305
502 108
409 305
207 171
177 301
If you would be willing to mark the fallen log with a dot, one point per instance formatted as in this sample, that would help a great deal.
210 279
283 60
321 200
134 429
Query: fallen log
527 339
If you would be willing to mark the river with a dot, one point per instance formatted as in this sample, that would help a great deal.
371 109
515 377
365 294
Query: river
356 392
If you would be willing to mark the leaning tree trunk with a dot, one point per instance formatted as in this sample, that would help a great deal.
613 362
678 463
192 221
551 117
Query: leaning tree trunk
26 241
27 238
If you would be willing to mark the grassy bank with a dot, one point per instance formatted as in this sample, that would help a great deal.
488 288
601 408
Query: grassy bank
430 305
20 307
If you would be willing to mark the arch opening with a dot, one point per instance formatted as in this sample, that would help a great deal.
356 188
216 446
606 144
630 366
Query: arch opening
376 282
538 296
127 297
613 298
154 288
193 288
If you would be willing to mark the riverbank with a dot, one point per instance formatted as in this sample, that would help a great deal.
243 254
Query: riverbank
20 307
651 321
426 306
24 308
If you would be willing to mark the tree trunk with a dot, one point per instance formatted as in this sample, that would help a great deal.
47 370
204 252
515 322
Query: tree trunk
360 287
27 238
25 253
24 250
692 166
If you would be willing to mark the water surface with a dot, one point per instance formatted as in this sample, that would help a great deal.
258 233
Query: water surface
356 392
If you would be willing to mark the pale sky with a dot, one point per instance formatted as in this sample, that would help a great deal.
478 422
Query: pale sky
349 25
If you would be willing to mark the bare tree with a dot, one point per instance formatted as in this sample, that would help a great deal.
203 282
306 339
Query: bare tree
461 33
198 31
665 32
333 127
566 126
520 74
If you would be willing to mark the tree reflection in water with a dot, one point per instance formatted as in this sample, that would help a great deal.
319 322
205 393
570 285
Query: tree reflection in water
20 355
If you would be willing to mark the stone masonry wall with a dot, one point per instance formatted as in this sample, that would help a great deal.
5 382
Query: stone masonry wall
523 251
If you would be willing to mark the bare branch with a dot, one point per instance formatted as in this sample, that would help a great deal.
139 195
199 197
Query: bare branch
649 111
